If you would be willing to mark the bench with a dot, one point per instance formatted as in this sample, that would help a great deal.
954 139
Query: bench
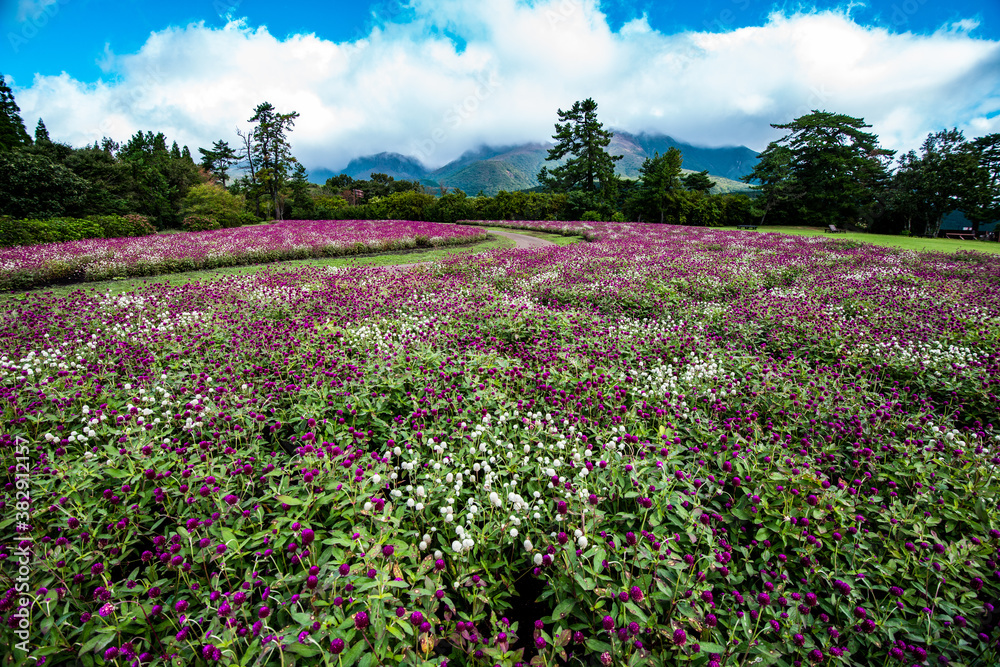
959 235
832 229
746 226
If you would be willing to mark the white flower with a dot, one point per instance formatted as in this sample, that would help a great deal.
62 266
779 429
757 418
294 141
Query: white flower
538 559
456 546
527 545
513 535
422 546
582 541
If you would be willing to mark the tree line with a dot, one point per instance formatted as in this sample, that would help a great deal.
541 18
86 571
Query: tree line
827 169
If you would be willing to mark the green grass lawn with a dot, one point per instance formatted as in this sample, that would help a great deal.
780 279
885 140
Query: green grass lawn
905 242
381 259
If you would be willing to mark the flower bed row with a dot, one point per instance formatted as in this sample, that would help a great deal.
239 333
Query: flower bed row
677 447
102 259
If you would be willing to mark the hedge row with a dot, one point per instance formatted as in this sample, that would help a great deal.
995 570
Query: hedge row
14 232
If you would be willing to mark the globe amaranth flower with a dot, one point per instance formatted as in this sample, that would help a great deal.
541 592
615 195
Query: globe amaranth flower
337 645
636 594
680 637
608 623
361 620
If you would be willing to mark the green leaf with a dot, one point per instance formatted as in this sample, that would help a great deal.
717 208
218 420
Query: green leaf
710 647
96 643
350 656
562 609
598 646
288 500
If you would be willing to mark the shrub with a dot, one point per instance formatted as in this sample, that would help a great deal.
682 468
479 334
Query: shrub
14 232
214 201
200 223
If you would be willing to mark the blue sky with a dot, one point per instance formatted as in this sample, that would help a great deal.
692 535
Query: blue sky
432 78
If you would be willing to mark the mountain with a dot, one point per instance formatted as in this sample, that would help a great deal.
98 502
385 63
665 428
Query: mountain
400 167
489 169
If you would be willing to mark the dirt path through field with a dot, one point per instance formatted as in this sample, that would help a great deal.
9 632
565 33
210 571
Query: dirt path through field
520 241
524 241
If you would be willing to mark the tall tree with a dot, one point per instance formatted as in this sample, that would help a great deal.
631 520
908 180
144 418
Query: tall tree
835 167
12 132
988 149
302 204
772 173
218 159
269 145
659 178
945 176
698 181
41 133
580 136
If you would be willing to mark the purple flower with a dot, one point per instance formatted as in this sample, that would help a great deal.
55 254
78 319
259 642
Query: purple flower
680 637
344 569
388 550
361 620
608 623
337 646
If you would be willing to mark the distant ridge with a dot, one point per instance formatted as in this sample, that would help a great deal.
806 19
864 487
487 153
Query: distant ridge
490 169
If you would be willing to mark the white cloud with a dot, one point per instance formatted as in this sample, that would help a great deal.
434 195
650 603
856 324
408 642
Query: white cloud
405 87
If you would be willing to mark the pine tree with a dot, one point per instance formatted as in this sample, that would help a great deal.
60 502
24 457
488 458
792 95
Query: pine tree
218 159
582 137
268 146
659 179
12 132
698 181
42 133
826 170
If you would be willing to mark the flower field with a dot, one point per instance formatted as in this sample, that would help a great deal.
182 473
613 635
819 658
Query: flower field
671 446
102 259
